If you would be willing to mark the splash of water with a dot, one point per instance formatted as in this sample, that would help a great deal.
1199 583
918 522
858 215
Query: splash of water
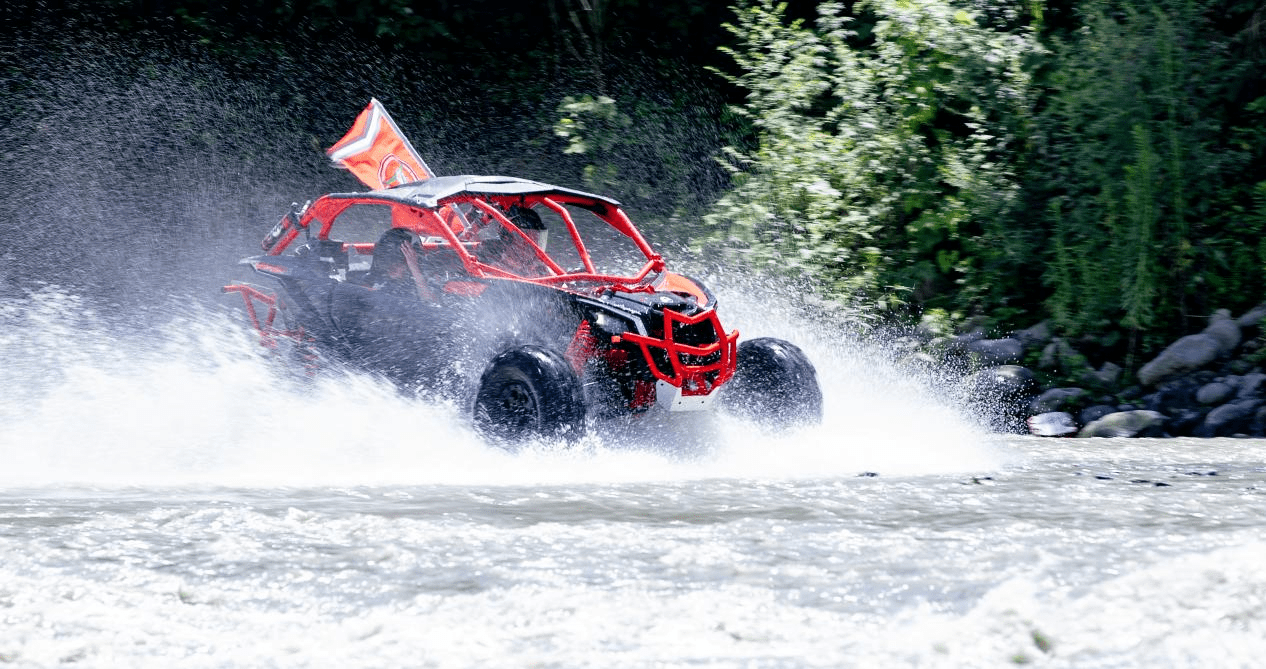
196 400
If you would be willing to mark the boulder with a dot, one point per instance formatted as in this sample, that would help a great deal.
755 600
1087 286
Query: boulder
1185 422
1185 355
1139 423
1257 427
918 361
1052 424
1250 385
1060 356
1172 396
1001 381
1228 419
1093 413
1237 366
1214 393
1107 377
999 394
1053 399
996 351
1253 317
1225 329
1035 336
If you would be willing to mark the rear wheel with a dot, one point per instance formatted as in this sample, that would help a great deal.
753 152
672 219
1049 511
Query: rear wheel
529 392
774 385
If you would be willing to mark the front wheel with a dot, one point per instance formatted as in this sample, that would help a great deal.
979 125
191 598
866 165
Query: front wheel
529 392
774 385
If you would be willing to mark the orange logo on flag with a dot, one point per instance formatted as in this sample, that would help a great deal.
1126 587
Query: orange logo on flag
377 152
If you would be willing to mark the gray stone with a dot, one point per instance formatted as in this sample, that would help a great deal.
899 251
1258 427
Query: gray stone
1228 419
1059 355
1214 393
996 351
1000 394
1107 377
1250 385
1185 422
1253 317
1110 373
1093 413
1139 423
962 340
1053 399
1238 366
1035 336
1225 329
1185 355
1052 424
918 360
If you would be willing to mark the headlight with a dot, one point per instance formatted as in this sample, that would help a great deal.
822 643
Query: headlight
610 324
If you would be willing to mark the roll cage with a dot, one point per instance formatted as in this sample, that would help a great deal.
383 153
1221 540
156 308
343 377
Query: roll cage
460 219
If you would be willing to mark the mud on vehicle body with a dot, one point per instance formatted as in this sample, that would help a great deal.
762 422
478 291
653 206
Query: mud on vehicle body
540 307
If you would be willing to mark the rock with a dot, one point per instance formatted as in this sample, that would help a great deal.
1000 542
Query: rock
996 351
1253 317
1172 397
1126 424
1250 385
906 344
1003 380
1093 413
1059 355
1228 419
1107 377
999 394
1052 424
1053 399
1237 366
1185 355
1257 426
1225 329
1214 393
962 340
919 361
1203 376
1035 336
1185 422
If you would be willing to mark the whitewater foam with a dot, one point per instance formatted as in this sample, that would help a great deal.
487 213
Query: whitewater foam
196 400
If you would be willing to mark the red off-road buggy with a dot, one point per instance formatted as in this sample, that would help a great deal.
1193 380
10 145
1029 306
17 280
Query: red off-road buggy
539 307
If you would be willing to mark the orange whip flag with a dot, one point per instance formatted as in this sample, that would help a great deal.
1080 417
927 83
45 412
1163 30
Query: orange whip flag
377 152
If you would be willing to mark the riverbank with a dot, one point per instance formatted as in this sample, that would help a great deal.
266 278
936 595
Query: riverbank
1207 384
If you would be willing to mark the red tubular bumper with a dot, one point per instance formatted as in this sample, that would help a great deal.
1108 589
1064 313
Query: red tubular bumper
696 369
264 324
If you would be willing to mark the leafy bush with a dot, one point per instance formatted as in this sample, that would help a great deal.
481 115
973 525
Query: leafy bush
886 143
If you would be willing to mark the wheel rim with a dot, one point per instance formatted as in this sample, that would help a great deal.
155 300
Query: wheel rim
516 405
509 409
526 394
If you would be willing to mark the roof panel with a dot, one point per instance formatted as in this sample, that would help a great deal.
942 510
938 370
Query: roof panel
429 192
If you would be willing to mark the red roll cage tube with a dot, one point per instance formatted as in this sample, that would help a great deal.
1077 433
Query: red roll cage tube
427 221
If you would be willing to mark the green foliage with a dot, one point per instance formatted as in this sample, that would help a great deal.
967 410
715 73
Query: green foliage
884 161
935 153
1146 198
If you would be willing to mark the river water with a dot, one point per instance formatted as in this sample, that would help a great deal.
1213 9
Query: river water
178 500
